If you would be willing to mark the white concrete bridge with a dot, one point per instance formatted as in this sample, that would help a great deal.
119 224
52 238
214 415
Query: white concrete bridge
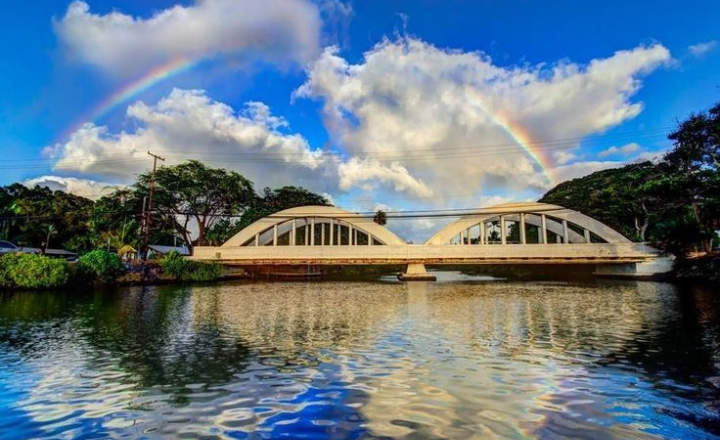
518 233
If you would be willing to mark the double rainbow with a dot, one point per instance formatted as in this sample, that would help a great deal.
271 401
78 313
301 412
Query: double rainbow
178 65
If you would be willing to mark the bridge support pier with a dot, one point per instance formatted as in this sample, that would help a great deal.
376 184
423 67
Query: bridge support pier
416 272
657 268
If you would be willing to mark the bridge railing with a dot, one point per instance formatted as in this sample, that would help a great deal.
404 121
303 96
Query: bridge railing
428 254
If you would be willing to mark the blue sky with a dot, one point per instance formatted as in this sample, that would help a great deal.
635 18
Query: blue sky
375 119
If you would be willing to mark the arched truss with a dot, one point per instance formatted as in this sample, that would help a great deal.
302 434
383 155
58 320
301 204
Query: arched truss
526 223
314 226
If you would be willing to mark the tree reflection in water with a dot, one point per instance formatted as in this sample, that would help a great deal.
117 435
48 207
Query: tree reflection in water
352 360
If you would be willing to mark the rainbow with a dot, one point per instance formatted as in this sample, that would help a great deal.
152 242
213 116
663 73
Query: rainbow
130 90
182 64
519 135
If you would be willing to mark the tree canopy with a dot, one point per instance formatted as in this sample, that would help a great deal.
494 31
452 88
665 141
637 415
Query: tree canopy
193 204
674 202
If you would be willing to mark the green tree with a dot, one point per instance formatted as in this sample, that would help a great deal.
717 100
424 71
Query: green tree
380 217
27 212
691 170
276 200
192 196
622 198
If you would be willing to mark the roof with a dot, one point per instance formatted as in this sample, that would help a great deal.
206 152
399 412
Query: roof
167 249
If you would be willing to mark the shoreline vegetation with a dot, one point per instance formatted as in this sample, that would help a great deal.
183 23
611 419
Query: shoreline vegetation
671 202
23 272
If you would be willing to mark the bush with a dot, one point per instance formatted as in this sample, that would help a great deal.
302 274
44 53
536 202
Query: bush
30 271
680 236
183 269
100 265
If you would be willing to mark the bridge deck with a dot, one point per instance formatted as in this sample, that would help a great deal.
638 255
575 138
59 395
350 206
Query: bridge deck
600 253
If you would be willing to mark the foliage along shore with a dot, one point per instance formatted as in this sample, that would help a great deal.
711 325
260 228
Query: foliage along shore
36 272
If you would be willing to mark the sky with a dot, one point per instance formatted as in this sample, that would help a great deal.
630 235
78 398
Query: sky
400 105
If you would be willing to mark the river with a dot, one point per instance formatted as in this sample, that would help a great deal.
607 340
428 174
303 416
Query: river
462 358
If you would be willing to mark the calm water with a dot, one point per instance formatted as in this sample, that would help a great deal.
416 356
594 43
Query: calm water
460 360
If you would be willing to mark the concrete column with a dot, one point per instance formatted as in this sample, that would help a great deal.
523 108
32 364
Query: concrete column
462 238
503 238
294 229
369 239
483 232
332 231
257 240
543 229
307 232
350 235
468 235
322 234
312 231
416 272
275 228
523 238
587 236
566 232
355 237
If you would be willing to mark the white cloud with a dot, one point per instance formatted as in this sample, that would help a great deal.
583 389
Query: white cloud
580 169
188 124
438 115
563 156
277 31
701 49
90 189
625 150
369 173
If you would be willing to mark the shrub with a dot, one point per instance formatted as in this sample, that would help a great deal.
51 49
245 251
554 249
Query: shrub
100 265
680 235
30 271
181 268
204 271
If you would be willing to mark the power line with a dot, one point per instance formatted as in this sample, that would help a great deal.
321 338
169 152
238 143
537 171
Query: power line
487 149
394 215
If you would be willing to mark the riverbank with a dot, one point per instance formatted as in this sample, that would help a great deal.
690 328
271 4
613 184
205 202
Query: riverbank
701 268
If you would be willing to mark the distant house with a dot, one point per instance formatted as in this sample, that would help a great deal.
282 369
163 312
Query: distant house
160 250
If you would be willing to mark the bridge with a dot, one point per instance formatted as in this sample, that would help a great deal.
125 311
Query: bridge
517 233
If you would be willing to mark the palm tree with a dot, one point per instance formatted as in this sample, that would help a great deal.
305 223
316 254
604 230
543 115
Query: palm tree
50 229
380 217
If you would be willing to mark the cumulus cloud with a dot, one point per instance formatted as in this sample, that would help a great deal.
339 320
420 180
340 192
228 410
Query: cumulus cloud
625 150
276 31
701 49
441 117
188 124
369 173
580 169
90 189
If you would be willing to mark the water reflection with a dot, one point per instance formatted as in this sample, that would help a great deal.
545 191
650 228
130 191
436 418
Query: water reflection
358 360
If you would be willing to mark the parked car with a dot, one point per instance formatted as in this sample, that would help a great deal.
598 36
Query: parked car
8 248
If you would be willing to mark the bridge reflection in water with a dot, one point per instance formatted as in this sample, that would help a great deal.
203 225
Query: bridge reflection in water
518 233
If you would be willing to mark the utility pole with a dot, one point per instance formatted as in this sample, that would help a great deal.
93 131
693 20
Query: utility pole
148 212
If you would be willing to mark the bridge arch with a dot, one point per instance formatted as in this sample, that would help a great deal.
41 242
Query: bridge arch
525 223
313 226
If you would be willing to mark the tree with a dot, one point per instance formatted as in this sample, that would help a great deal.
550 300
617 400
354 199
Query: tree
380 217
276 200
691 170
26 213
621 197
272 201
193 196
